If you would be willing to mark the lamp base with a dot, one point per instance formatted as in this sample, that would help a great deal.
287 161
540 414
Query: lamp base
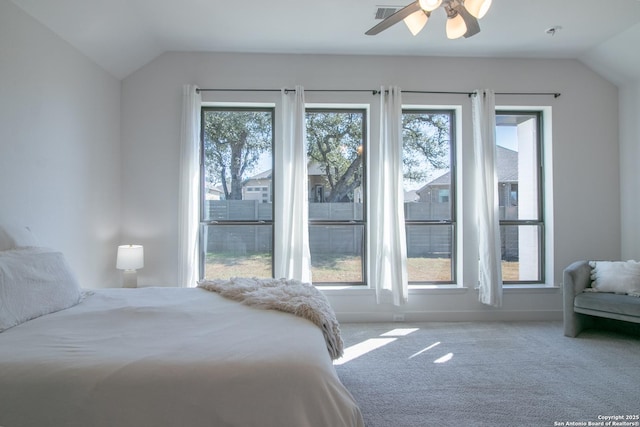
130 279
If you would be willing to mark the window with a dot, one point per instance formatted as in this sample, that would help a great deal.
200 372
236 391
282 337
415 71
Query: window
236 232
236 217
429 185
519 169
335 147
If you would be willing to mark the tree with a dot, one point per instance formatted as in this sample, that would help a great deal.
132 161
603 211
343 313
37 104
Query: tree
426 140
234 140
334 143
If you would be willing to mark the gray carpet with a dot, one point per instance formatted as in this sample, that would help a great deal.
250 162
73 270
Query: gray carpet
491 374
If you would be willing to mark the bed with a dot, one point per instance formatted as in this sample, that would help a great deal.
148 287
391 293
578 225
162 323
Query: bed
165 357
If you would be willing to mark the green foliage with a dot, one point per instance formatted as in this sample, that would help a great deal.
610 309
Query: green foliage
234 140
426 138
233 143
334 143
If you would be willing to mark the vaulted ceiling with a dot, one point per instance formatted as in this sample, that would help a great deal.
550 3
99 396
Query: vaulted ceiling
123 35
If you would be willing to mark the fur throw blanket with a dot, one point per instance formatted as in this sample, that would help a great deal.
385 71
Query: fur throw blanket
290 296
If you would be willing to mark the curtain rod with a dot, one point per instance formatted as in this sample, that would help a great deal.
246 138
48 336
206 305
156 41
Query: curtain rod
377 92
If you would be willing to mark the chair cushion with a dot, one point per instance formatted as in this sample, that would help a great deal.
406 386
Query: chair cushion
611 303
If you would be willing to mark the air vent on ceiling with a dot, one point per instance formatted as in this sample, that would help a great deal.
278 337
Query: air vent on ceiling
383 12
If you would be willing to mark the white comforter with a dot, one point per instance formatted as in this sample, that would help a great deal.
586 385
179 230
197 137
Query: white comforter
169 357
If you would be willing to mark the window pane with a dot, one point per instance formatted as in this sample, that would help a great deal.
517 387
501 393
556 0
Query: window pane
335 141
520 246
335 170
429 195
429 253
519 171
517 156
237 164
336 253
237 250
237 192
426 158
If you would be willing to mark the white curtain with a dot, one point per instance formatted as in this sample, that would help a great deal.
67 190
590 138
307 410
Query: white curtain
292 258
386 236
188 212
489 266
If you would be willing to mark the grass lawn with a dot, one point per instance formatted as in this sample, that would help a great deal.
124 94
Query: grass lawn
337 269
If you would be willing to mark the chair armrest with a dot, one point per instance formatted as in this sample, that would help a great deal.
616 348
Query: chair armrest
577 277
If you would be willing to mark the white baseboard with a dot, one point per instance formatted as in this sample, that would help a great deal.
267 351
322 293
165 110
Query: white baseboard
450 316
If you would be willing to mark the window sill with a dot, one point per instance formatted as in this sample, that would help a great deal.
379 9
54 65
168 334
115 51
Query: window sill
535 287
359 290
439 289
362 290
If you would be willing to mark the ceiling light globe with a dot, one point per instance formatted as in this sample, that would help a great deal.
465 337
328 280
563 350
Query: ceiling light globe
477 8
456 27
429 5
416 21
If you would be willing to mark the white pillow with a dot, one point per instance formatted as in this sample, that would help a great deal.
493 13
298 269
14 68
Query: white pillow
14 236
621 277
34 282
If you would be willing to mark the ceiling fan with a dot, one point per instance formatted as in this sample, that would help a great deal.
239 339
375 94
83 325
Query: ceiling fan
462 16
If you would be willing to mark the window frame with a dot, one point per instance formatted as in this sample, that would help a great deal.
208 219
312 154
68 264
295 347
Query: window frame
203 223
540 180
453 195
362 222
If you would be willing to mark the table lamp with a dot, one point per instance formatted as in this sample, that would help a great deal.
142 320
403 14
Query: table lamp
130 258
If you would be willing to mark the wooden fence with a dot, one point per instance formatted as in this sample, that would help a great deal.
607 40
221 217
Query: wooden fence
434 240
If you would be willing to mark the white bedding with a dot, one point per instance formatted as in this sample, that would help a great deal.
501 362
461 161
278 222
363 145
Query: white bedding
169 357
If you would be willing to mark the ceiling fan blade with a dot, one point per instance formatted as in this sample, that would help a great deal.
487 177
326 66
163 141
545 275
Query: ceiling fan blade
473 27
395 18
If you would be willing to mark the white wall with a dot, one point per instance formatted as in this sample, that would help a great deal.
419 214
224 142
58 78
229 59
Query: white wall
59 146
584 152
629 172
617 61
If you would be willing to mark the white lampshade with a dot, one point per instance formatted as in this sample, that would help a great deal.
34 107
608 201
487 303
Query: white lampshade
429 5
477 8
456 27
130 257
416 21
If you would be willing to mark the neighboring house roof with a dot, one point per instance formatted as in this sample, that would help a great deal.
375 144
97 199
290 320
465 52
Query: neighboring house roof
314 168
507 169
444 179
411 196
218 187
214 189
262 175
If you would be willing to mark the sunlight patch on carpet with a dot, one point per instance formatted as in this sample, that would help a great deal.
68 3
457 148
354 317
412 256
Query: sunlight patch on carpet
424 349
444 359
361 348
372 344
399 332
